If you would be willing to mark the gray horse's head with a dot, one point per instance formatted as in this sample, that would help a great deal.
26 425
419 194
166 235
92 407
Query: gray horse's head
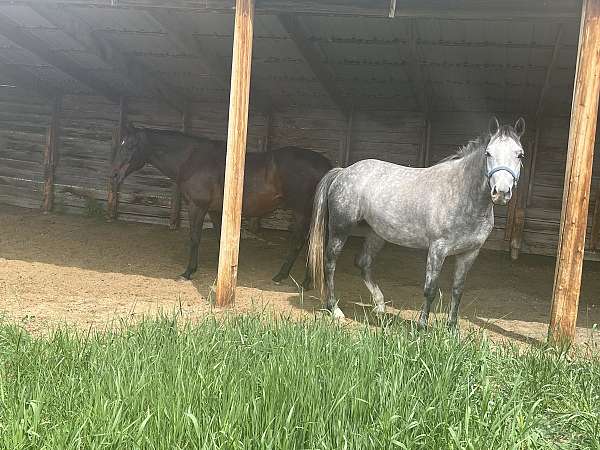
504 153
130 154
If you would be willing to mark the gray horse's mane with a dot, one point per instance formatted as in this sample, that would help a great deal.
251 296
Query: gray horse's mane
480 143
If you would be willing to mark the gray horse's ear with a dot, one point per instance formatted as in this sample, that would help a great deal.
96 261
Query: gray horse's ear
494 126
520 127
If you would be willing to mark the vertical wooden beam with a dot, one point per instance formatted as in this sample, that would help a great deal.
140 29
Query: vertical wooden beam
175 214
424 157
595 236
112 200
50 156
236 152
578 175
533 164
515 223
347 146
264 143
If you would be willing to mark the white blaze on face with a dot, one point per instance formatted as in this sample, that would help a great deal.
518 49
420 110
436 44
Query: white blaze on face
503 151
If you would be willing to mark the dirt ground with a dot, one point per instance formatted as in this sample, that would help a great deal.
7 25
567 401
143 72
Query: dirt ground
57 270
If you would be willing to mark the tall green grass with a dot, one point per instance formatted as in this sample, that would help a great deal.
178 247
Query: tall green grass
251 383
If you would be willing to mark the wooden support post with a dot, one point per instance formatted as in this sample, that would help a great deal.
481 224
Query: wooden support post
425 145
595 237
51 157
515 223
236 152
175 214
532 164
347 143
578 175
517 234
112 200
265 141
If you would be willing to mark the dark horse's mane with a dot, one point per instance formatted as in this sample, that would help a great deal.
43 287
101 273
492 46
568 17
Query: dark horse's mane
480 143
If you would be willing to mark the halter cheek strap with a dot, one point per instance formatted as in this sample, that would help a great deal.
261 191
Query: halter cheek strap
503 168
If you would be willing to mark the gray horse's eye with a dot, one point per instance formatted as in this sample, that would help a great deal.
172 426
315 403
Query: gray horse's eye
487 154
521 155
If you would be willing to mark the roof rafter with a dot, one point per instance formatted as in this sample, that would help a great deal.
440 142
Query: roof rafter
136 72
15 33
314 57
513 10
212 63
547 80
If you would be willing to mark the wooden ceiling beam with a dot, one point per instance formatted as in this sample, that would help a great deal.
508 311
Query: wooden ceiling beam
211 61
137 73
314 58
15 33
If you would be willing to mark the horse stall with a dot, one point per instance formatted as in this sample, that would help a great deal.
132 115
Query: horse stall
407 82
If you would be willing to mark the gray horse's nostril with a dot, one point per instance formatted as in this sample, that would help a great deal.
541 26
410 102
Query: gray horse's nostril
494 190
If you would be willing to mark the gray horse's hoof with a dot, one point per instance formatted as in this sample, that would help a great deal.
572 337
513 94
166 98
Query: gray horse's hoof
337 314
183 277
379 310
422 325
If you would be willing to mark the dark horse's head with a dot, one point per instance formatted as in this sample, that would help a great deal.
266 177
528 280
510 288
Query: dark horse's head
503 159
130 154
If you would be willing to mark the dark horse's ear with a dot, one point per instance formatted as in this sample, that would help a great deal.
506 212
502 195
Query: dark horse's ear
130 128
520 127
494 126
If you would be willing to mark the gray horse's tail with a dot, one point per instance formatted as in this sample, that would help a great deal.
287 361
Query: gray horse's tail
316 240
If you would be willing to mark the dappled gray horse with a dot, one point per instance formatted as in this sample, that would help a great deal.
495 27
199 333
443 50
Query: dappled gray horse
446 208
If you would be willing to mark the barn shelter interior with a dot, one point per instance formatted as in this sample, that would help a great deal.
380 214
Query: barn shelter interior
403 81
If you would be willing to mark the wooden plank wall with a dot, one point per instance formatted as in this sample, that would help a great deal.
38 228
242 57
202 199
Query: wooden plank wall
24 121
81 174
86 126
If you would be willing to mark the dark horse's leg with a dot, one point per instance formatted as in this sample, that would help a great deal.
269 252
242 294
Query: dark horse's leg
196 215
372 245
296 241
435 261
462 266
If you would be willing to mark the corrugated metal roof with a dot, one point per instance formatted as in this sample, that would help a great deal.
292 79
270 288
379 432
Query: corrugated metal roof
462 63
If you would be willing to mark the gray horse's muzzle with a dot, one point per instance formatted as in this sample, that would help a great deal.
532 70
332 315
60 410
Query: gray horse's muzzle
502 196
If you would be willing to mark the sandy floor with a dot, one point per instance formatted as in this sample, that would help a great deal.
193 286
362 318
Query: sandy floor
62 269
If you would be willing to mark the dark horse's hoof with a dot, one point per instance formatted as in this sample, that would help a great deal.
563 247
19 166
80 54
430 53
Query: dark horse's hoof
184 277
279 278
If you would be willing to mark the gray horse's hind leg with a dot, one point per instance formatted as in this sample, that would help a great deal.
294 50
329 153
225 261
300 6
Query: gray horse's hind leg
462 266
435 261
372 245
337 239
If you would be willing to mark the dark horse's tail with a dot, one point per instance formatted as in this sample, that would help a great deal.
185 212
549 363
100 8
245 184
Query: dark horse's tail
317 229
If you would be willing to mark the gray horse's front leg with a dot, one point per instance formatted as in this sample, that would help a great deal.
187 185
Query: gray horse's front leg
462 266
435 261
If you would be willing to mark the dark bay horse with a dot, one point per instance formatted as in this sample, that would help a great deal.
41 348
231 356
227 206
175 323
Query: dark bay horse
446 208
286 177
